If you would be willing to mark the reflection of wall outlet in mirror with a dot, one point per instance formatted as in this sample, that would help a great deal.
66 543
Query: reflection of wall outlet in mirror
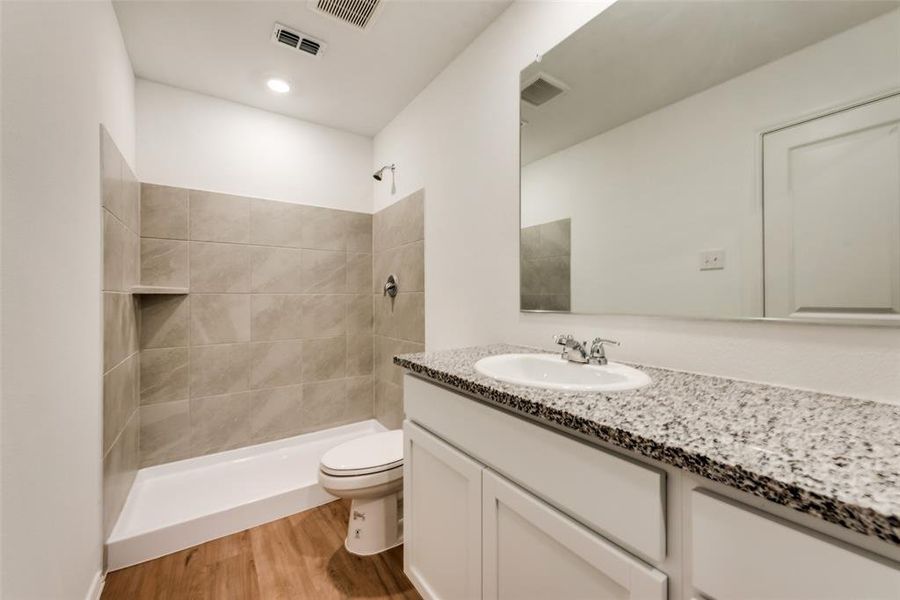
712 259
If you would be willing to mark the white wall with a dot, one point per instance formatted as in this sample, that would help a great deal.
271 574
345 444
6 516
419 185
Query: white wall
685 179
55 95
191 140
459 140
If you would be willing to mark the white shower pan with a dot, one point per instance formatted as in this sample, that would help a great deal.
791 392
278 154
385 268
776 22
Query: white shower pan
181 504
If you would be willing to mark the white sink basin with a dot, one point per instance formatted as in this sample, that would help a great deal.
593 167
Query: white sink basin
552 372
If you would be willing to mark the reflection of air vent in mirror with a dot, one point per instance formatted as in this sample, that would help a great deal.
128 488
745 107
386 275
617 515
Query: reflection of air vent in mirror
358 13
542 89
297 41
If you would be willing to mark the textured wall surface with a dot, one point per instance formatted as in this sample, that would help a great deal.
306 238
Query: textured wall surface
399 322
120 194
274 338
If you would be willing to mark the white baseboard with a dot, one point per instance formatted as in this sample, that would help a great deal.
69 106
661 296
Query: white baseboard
96 587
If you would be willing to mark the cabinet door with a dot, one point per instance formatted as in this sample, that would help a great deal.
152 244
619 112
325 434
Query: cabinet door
533 551
441 517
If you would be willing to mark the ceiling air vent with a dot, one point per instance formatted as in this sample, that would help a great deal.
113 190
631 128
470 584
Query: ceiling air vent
542 89
295 40
358 13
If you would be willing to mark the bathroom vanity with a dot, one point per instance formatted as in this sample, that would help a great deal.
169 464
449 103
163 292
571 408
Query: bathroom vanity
691 487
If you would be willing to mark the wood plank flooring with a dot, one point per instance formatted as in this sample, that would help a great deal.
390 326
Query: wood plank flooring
298 557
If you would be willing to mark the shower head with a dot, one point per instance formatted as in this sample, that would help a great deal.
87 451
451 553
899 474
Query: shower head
378 175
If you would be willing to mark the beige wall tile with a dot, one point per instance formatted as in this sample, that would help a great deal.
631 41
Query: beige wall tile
359 354
275 223
165 375
114 238
359 314
402 317
324 271
165 432
400 223
131 197
388 404
275 364
164 262
220 423
219 217
324 315
276 270
359 232
324 403
406 262
530 242
120 466
219 268
276 317
165 321
119 398
384 350
220 369
220 318
131 264
556 238
359 274
164 212
112 185
276 413
119 328
323 228
359 399
324 358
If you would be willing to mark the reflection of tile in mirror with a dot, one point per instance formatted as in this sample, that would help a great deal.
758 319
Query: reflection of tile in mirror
545 266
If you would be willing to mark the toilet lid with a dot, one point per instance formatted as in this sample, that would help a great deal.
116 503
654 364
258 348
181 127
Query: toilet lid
367 454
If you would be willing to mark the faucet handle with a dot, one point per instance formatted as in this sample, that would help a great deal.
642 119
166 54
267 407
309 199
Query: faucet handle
598 354
562 339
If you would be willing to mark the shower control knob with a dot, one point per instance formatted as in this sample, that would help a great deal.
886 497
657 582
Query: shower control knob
390 286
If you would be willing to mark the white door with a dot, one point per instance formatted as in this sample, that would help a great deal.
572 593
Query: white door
532 551
441 517
831 198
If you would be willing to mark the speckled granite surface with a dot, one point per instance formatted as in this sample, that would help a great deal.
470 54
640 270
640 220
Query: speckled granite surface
836 458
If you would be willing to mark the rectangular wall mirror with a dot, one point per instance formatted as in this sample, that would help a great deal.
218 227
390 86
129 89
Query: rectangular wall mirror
716 159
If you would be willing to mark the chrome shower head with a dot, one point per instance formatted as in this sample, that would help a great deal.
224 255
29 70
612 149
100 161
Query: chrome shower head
379 174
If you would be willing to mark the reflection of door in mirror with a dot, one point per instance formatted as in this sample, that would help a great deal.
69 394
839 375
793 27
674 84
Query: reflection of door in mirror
831 190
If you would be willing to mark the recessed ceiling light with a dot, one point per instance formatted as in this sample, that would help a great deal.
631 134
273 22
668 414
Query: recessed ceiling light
279 86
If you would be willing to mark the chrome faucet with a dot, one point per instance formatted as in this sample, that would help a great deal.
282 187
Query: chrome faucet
598 352
577 352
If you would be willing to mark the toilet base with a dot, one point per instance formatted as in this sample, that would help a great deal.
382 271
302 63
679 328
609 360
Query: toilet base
375 525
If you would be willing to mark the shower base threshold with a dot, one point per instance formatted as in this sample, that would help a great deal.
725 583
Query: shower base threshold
181 504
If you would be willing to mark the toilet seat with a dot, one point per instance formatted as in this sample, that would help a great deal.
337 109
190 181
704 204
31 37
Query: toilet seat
368 455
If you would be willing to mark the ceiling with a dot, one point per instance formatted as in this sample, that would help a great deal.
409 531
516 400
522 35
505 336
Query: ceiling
361 80
639 56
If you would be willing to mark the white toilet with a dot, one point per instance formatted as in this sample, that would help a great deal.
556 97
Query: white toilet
369 471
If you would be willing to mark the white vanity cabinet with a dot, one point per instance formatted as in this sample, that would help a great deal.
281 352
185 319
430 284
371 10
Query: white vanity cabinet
470 533
533 552
441 517
498 507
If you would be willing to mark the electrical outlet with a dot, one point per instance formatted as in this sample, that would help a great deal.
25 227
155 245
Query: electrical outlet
711 260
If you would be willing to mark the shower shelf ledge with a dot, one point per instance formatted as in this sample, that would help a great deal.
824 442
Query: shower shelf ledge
158 289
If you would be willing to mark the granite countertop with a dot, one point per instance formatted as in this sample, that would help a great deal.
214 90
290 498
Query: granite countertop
832 457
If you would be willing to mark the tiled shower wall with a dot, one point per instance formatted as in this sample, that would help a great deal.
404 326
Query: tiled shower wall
120 212
545 266
399 323
274 338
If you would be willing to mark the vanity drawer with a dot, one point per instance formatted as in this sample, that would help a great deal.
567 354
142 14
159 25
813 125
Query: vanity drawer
740 553
619 498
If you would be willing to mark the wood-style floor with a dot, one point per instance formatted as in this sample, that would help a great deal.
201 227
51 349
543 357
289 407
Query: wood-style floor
298 557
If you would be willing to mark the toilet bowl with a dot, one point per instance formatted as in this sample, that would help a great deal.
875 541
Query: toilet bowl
368 471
